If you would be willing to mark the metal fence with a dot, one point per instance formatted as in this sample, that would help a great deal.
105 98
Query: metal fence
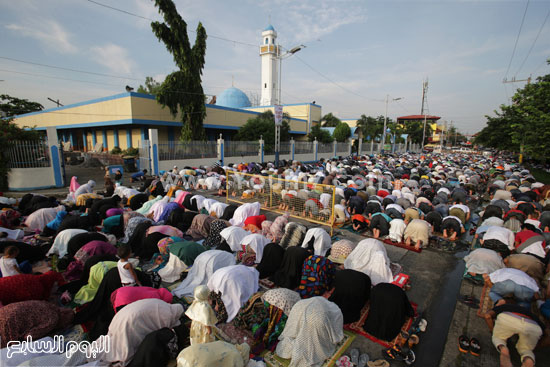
285 148
342 147
144 155
299 199
303 147
325 148
169 151
241 148
28 154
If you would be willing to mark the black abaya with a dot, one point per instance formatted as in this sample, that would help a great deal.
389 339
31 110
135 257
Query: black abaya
352 291
290 272
272 259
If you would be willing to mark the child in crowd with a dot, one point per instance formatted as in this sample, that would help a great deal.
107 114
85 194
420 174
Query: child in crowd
128 276
202 316
8 264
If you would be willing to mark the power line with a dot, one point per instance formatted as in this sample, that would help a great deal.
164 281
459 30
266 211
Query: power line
533 45
333 82
60 78
69 69
152 20
517 39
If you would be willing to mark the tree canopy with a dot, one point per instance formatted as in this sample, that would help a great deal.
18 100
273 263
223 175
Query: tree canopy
182 90
341 132
264 126
322 136
329 120
524 123
13 106
151 86
371 127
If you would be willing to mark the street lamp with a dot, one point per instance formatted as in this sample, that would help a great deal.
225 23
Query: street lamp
385 121
287 54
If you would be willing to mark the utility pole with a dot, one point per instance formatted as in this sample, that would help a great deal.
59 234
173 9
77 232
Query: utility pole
386 120
424 108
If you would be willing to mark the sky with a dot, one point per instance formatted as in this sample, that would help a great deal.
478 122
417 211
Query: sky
357 52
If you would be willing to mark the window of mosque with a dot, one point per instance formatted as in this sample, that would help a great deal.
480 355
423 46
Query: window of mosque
265 85
267 41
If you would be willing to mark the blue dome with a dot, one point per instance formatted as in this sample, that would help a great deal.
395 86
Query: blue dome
269 28
233 97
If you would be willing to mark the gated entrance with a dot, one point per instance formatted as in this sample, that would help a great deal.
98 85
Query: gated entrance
144 161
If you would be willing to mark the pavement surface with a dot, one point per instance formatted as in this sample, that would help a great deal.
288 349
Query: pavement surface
436 279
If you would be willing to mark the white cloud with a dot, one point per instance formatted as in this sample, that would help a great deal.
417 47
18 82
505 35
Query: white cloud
49 32
310 20
114 58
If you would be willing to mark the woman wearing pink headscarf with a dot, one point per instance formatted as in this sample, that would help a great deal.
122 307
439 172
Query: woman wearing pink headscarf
125 295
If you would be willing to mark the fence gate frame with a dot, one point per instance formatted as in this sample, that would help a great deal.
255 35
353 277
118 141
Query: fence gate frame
144 161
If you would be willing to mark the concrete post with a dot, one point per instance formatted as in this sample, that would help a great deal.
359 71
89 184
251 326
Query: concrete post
220 149
55 156
292 147
360 147
350 146
153 145
315 145
371 146
261 150
334 148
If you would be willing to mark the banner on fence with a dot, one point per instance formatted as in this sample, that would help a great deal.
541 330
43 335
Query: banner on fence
309 201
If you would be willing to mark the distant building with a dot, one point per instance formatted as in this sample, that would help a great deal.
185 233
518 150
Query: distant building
431 121
123 120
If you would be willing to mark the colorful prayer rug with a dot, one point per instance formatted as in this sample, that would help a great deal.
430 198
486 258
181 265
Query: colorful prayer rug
357 327
273 360
485 302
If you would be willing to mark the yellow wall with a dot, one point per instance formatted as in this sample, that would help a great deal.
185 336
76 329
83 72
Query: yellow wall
162 133
136 137
351 122
110 139
115 109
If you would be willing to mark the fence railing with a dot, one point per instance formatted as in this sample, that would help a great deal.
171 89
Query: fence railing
342 147
241 148
325 148
297 198
28 154
169 151
303 147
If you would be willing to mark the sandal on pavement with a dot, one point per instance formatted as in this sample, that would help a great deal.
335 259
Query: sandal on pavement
363 360
475 347
378 363
344 361
410 358
413 340
463 344
394 353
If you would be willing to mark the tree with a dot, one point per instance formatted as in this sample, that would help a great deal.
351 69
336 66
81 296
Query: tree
10 132
371 127
263 126
151 86
13 106
341 132
323 136
523 126
182 90
329 120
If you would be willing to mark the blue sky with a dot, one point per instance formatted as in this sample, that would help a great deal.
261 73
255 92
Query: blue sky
357 51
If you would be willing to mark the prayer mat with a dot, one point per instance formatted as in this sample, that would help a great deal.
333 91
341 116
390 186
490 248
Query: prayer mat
232 334
357 327
485 302
273 360
387 241
266 284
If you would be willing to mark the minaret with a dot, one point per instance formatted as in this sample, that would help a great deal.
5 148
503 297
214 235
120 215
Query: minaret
269 51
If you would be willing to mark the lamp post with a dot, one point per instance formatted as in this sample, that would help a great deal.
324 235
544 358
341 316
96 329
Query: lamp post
386 120
287 54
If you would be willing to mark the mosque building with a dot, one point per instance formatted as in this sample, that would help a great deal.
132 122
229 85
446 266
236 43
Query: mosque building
123 120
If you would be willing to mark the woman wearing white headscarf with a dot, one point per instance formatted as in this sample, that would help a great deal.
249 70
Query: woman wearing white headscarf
255 242
38 219
244 211
236 284
313 329
234 236
205 265
371 258
132 324
215 354
218 209
61 241
85 189
321 241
